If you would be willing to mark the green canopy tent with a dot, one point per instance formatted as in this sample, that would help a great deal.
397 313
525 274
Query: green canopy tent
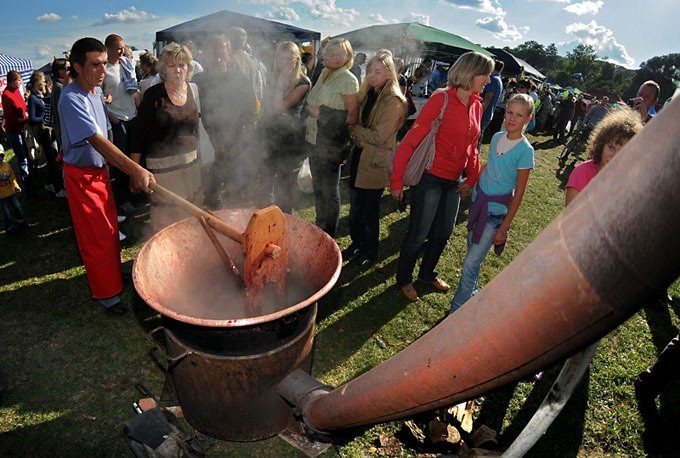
412 41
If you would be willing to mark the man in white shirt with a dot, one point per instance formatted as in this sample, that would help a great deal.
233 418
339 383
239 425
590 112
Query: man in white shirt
121 93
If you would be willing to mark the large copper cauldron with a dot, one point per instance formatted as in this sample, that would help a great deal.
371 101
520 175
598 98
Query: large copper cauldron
225 358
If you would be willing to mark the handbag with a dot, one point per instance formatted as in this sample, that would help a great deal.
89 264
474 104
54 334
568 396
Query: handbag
304 178
206 152
412 109
423 156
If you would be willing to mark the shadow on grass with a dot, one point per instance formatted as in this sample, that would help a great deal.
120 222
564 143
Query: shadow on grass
349 333
565 433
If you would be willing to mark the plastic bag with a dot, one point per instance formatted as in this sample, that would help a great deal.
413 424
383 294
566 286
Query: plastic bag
304 178
158 433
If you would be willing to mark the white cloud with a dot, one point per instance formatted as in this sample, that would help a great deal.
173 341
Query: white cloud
584 8
603 41
282 13
500 29
417 17
327 10
485 6
45 51
48 17
377 19
125 16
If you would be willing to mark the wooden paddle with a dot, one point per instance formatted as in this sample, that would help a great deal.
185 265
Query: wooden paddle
264 243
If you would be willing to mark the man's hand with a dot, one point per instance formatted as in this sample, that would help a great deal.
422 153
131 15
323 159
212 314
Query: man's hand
141 180
640 106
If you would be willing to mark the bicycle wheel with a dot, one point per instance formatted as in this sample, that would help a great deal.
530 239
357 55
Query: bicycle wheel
568 148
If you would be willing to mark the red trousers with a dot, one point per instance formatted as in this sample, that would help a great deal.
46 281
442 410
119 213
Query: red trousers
95 222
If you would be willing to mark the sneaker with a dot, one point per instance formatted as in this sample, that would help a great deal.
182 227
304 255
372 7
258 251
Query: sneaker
365 261
121 236
117 309
61 193
351 251
121 218
50 188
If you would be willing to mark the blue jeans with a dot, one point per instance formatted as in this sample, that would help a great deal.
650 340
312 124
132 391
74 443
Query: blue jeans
11 211
326 181
18 144
476 252
434 208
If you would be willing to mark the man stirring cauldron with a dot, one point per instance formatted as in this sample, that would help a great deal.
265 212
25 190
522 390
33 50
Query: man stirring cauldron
86 177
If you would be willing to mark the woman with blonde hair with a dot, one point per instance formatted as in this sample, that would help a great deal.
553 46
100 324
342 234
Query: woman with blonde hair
37 135
165 136
383 107
435 199
280 123
332 106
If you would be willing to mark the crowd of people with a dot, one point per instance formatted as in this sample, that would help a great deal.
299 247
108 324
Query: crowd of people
107 130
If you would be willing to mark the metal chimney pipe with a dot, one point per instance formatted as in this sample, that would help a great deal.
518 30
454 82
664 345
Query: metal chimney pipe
614 249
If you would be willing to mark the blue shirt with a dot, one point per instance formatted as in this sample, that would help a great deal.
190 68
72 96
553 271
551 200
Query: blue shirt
82 115
496 88
500 175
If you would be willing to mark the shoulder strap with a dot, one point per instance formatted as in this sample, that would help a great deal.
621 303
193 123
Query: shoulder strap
446 102
194 92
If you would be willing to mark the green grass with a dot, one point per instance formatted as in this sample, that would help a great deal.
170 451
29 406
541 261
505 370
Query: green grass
72 369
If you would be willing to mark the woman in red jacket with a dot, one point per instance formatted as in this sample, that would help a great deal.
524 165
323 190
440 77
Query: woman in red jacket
435 200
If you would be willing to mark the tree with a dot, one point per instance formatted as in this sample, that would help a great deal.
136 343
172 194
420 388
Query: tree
582 60
544 59
665 70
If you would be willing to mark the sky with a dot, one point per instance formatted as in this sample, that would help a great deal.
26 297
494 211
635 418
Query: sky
624 32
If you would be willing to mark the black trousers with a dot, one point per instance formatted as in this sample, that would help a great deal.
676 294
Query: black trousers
364 219
666 368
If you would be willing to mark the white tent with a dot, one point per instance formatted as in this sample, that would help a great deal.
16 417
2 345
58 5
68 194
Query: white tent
7 63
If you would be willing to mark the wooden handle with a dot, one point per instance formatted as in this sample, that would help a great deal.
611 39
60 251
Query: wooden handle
226 259
213 221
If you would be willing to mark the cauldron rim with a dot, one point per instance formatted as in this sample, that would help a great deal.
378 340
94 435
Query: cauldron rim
237 322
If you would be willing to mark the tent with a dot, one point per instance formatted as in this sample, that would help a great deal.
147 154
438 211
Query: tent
261 32
7 63
412 41
514 65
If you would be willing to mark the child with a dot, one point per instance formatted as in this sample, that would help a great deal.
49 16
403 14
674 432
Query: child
498 194
605 141
8 198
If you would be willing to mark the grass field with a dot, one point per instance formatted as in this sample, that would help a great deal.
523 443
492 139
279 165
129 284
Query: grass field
72 369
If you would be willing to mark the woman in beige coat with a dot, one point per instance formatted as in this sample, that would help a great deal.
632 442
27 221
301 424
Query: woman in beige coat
383 107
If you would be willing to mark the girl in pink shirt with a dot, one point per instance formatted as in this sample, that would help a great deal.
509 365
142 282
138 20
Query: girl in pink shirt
605 141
